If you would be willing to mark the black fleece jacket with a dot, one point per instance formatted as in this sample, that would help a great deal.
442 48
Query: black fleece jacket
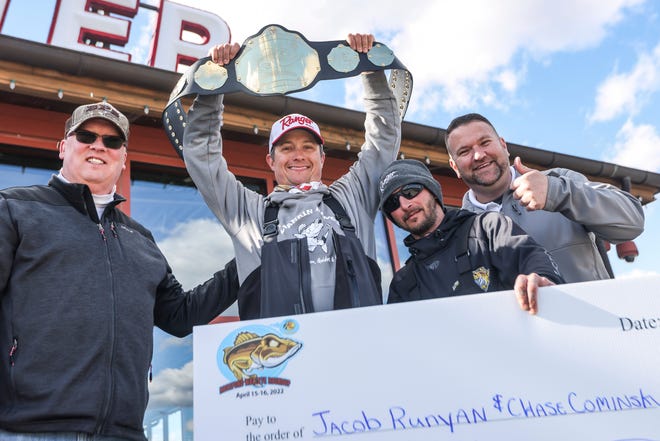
79 297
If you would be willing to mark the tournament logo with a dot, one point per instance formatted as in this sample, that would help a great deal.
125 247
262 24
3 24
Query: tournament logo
481 277
256 355
314 235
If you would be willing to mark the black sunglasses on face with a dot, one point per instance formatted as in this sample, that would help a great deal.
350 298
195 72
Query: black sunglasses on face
408 191
110 141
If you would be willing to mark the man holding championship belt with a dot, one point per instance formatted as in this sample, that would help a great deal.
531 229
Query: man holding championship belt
307 246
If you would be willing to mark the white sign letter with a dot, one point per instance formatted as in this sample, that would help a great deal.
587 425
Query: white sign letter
171 50
93 30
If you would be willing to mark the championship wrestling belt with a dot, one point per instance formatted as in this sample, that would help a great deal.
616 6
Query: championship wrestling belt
277 61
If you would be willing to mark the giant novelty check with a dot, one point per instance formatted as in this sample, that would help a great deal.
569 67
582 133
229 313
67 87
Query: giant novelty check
587 367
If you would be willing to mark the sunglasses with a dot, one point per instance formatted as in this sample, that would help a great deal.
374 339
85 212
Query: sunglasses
408 191
110 141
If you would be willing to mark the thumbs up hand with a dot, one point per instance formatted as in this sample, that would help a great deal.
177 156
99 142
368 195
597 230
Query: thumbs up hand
531 188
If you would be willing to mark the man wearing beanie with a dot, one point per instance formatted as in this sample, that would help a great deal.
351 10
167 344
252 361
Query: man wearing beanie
457 252
307 246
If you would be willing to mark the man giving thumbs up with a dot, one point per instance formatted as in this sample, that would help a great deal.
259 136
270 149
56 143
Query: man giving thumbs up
560 208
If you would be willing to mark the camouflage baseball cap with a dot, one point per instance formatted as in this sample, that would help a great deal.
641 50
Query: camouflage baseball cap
101 110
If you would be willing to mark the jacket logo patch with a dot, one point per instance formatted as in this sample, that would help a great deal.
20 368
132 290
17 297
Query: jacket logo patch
481 277
125 228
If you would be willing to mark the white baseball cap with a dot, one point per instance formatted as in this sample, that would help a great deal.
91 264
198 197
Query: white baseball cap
291 122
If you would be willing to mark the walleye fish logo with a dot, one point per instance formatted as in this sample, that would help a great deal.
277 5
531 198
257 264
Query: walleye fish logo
252 352
481 277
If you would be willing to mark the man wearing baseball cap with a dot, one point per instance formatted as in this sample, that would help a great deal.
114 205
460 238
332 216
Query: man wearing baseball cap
307 246
81 287
457 252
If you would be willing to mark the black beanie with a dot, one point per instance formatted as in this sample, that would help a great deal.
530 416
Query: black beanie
407 171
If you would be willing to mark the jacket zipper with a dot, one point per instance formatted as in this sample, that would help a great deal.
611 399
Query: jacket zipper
354 286
516 207
296 251
102 231
109 395
12 351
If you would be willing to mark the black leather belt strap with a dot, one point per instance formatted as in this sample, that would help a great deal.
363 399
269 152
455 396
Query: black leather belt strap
276 61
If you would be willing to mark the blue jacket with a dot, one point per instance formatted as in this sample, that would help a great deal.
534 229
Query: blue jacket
79 297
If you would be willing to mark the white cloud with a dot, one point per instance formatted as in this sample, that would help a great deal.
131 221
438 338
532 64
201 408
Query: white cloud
175 342
626 93
636 146
353 94
145 35
386 275
637 274
172 388
196 250
477 45
317 21
509 79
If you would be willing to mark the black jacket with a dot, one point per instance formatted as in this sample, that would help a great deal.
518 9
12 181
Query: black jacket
79 298
469 254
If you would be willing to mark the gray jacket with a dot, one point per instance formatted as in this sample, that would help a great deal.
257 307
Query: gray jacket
241 211
576 212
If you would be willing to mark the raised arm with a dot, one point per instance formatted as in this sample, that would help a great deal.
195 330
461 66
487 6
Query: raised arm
233 204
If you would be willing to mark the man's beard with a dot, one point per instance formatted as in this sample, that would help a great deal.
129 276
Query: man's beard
474 179
424 227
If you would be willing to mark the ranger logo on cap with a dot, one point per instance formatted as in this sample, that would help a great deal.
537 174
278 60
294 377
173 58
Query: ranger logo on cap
292 122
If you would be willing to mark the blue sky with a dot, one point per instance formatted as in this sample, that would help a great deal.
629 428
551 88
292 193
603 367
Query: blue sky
580 77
